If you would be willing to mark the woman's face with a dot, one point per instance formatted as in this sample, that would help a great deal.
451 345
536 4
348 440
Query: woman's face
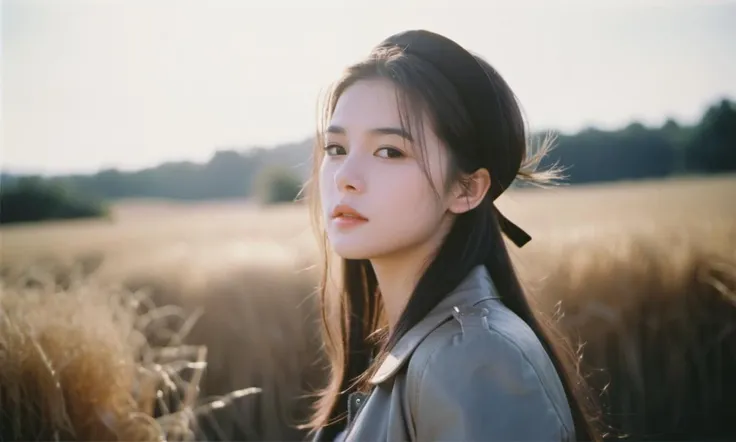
370 166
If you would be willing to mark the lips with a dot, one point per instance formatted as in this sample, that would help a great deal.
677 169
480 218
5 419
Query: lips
343 211
346 218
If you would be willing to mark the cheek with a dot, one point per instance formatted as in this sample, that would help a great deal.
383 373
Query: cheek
439 169
326 181
324 171
408 202
412 190
403 210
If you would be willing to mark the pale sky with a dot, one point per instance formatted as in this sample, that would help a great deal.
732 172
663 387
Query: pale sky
128 84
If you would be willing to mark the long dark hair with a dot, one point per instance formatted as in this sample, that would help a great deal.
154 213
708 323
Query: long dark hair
352 311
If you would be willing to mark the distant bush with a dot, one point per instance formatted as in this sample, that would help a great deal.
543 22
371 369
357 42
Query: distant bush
35 199
277 185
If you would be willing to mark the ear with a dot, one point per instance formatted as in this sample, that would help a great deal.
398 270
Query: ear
469 191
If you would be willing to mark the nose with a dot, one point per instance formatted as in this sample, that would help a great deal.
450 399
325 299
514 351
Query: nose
348 177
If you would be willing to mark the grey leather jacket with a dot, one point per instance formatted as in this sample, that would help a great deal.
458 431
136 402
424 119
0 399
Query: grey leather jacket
472 370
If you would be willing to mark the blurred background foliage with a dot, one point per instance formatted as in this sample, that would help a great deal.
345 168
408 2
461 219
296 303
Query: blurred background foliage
274 175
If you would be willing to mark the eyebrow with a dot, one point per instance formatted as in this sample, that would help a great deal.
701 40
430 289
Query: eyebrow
376 131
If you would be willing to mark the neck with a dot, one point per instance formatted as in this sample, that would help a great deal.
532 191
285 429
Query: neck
398 274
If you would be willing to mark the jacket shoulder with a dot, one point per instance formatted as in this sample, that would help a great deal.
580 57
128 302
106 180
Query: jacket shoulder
480 334
487 358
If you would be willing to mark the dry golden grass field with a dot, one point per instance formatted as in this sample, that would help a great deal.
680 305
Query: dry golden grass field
107 324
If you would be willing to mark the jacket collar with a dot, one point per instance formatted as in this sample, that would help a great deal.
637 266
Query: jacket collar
476 287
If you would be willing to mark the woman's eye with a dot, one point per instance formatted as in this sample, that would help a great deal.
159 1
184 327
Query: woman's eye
334 149
389 152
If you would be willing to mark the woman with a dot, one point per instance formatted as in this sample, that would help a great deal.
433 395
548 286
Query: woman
431 337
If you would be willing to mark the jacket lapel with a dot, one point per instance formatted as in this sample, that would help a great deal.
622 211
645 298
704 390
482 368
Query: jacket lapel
476 287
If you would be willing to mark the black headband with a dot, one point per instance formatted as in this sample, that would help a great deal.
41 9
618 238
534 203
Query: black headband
478 94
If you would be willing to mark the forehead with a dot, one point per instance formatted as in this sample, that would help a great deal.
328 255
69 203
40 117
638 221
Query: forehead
368 104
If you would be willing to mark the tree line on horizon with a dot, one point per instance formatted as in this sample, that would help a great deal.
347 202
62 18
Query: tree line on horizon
274 174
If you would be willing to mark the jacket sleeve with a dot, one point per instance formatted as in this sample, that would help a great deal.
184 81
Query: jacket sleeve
483 388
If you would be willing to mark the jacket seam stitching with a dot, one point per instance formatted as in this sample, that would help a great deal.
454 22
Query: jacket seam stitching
536 373
415 388
425 365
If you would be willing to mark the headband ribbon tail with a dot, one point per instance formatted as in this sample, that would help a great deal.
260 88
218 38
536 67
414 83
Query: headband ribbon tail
512 231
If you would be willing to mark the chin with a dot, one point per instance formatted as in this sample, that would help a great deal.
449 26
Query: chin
353 246
351 251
